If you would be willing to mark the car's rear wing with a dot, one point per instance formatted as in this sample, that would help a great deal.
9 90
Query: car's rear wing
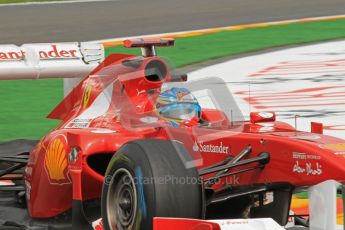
49 60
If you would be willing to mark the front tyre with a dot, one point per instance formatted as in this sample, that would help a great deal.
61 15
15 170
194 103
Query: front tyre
147 179
122 193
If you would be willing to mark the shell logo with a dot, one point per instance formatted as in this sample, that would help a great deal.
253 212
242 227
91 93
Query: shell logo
56 160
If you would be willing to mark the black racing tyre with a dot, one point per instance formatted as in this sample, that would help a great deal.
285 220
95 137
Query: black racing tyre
146 179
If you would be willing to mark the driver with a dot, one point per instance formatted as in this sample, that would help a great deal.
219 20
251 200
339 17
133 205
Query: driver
178 106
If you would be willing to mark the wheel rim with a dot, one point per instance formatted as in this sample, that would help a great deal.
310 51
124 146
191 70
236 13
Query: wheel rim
121 200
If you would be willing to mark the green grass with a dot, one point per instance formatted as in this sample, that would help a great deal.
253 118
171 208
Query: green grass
304 195
24 104
192 50
301 195
20 1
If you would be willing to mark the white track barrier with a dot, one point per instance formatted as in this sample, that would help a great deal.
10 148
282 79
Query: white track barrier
307 81
50 60
323 206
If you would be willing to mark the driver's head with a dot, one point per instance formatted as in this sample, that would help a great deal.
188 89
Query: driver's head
177 105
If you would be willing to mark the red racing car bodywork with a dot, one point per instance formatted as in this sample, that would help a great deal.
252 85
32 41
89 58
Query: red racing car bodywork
115 105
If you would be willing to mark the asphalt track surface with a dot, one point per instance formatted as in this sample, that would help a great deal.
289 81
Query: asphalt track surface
118 18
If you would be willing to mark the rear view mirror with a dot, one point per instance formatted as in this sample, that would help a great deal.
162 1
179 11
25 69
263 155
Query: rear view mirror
256 117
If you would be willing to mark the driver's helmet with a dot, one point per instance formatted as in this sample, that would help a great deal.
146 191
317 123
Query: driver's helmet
177 105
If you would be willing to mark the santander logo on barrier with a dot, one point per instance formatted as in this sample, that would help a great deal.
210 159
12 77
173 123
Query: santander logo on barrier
45 52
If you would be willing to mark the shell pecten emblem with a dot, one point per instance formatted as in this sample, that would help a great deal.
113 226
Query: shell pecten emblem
56 161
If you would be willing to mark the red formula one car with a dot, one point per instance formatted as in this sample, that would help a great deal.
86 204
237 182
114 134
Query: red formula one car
138 141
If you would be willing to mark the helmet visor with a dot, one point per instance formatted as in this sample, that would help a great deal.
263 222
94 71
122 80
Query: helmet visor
181 111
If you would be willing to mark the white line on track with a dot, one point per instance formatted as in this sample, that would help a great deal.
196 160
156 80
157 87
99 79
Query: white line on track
52 2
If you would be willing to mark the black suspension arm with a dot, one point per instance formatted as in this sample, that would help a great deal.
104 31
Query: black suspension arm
214 179
263 158
11 169
234 160
14 160
230 159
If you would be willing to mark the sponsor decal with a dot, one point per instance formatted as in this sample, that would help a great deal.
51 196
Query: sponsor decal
234 222
45 53
211 148
246 224
305 156
79 123
56 161
87 94
54 53
12 56
308 168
